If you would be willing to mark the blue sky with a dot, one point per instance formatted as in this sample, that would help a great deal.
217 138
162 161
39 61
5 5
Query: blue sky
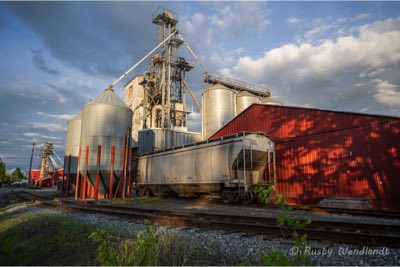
56 56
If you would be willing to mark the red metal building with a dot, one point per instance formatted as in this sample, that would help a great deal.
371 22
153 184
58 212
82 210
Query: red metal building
328 154
53 178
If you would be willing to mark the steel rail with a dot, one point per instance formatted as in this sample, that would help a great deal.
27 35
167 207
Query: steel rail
367 213
344 232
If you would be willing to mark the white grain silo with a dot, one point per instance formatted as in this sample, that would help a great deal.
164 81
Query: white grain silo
106 122
219 104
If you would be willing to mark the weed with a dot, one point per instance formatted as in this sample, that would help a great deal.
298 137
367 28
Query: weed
45 240
276 256
264 195
149 248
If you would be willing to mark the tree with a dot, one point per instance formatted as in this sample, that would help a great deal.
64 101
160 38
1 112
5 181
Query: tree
3 175
17 175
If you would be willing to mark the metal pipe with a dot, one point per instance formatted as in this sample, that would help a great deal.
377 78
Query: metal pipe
96 189
193 54
194 98
117 81
30 164
169 83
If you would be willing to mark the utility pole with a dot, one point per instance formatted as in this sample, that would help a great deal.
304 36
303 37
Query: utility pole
30 165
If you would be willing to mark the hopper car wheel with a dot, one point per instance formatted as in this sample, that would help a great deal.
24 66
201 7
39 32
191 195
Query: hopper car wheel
247 198
229 196
225 198
144 192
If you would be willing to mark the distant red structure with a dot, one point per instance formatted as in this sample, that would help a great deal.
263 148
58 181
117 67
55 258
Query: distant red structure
54 178
328 154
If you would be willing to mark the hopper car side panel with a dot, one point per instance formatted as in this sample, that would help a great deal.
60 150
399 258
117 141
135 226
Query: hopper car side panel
206 168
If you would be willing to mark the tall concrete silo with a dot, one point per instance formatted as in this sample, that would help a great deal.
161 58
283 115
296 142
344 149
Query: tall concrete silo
72 144
244 99
106 123
219 104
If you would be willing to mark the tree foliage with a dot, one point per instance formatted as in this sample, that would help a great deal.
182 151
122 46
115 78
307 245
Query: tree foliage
3 174
5 178
17 175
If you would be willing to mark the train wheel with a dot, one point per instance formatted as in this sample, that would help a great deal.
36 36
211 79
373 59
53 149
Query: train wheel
247 199
225 197
143 192
229 196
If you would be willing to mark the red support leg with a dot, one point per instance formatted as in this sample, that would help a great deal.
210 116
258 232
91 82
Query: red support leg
124 177
68 176
77 176
96 189
129 163
111 173
84 181
63 177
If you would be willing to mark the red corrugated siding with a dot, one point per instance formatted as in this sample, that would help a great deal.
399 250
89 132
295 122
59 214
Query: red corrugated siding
322 154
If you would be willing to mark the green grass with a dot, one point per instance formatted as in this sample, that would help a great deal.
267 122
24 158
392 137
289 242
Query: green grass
45 240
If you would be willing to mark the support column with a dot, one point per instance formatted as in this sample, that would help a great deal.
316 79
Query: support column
84 181
68 176
96 189
77 175
64 177
125 166
110 188
129 163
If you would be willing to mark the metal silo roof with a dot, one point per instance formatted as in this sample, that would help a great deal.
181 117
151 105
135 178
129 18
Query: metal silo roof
78 116
108 97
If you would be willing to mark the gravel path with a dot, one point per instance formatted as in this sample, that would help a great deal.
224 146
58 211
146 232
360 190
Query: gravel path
230 248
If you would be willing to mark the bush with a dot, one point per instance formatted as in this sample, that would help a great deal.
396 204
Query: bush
149 248
277 257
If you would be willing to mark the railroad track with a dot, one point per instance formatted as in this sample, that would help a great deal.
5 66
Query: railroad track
322 210
343 232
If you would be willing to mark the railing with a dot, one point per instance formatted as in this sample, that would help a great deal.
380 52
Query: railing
237 84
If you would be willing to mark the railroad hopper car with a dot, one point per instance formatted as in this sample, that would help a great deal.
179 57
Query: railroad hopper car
228 167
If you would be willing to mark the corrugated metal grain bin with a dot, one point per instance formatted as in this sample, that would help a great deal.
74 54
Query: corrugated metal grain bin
152 139
327 154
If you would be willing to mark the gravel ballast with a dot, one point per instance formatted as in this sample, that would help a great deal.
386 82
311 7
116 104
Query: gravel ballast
231 248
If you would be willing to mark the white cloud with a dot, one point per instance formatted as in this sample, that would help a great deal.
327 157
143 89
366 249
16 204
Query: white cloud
38 135
372 73
31 135
52 127
363 16
387 93
194 121
237 17
373 48
319 30
293 20
332 73
63 117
